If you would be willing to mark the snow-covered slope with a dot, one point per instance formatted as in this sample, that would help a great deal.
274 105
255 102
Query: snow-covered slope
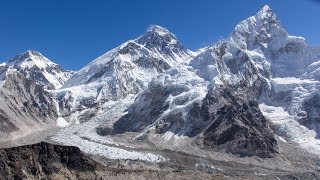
26 106
125 70
257 61
153 88
38 68
264 34
158 49
122 62
285 63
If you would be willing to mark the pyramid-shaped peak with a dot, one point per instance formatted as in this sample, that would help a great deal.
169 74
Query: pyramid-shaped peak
258 30
158 29
30 58
30 51
266 13
157 35
162 42
265 8
29 54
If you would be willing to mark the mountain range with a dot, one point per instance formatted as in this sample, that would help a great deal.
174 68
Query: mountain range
251 99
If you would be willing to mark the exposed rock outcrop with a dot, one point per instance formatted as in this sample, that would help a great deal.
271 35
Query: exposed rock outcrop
46 161
25 106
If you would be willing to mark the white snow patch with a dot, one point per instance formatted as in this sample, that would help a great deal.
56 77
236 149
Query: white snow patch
293 80
295 132
85 137
207 166
292 83
94 148
61 122
171 136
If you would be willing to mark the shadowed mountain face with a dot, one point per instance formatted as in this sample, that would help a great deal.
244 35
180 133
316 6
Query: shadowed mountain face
47 161
237 126
227 118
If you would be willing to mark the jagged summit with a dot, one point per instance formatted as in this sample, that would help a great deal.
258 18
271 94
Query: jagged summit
164 43
34 66
267 14
258 31
158 44
31 52
157 33
30 58
159 30
265 8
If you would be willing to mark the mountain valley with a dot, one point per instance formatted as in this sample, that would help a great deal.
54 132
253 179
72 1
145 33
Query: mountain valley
246 107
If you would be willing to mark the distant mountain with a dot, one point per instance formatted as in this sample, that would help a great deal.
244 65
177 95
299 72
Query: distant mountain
162 42
125 70
216 98
34 66
26 105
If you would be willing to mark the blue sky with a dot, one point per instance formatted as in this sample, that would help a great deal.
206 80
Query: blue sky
74 32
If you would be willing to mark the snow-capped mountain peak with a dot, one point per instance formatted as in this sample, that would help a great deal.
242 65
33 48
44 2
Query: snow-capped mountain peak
161 31
164 43
259 31
30 58
266 8
266 15
265 11
37 67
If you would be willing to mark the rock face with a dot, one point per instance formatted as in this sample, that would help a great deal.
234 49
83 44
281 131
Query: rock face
25 106
237 125
226 118
46 161
6 125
